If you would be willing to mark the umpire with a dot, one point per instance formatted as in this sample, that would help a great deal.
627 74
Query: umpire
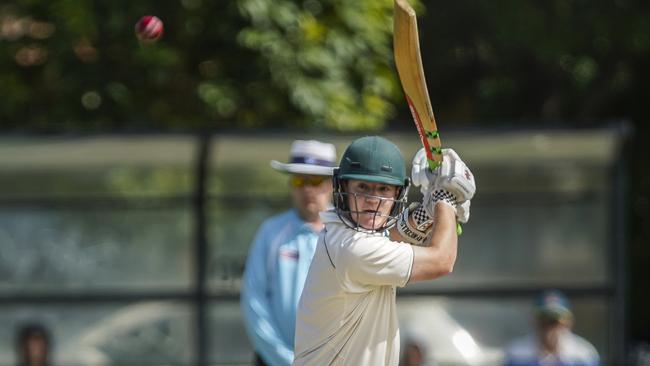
282 251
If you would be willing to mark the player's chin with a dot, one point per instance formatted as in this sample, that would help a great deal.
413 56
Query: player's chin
371 221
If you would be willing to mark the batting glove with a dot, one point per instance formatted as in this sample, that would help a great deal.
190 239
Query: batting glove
462 212
452 182
421 176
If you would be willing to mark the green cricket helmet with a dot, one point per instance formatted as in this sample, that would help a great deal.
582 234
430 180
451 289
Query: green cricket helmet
371 159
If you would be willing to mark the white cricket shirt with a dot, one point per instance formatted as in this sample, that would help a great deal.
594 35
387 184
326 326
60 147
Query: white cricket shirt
347 313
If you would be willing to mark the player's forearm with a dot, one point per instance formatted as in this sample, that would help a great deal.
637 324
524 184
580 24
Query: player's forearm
438 256
444 238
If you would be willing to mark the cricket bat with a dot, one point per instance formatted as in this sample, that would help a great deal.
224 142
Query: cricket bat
406 47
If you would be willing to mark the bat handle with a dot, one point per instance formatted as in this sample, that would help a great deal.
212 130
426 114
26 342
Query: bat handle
432 165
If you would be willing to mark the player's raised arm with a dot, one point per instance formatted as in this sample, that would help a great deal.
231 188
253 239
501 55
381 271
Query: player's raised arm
431 225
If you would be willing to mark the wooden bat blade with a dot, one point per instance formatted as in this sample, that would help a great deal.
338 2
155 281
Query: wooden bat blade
406 48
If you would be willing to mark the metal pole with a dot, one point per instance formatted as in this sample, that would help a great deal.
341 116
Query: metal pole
200 247
620 207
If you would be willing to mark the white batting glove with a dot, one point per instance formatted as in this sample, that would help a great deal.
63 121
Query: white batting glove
421 176
454 176
452 183
462 212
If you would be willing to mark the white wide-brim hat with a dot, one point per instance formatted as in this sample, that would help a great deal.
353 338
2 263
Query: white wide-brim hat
309 157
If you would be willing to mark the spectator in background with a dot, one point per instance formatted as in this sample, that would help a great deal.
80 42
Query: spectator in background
413 354
282 251
552 343
33 345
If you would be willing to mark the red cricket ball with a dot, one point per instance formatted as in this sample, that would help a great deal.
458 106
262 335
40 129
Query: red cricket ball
149 28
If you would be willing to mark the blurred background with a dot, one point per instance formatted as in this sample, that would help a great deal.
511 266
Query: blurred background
134 175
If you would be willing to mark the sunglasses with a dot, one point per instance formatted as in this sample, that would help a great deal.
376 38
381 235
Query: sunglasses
298 181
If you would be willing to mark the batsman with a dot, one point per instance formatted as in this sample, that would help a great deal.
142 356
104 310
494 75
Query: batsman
371 244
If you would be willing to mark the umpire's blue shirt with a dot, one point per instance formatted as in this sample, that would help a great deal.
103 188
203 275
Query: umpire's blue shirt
275 273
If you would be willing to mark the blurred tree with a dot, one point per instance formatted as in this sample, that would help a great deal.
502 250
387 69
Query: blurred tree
559 60
76 65
332 58
314 63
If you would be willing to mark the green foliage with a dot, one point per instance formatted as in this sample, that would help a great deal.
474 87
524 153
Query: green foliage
559 60
76 65
334 58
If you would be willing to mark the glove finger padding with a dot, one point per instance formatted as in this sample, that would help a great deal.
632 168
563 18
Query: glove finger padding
421 176
455 177
462 212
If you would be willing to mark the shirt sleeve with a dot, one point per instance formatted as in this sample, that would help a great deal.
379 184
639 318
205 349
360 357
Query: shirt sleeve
374 261
260 325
